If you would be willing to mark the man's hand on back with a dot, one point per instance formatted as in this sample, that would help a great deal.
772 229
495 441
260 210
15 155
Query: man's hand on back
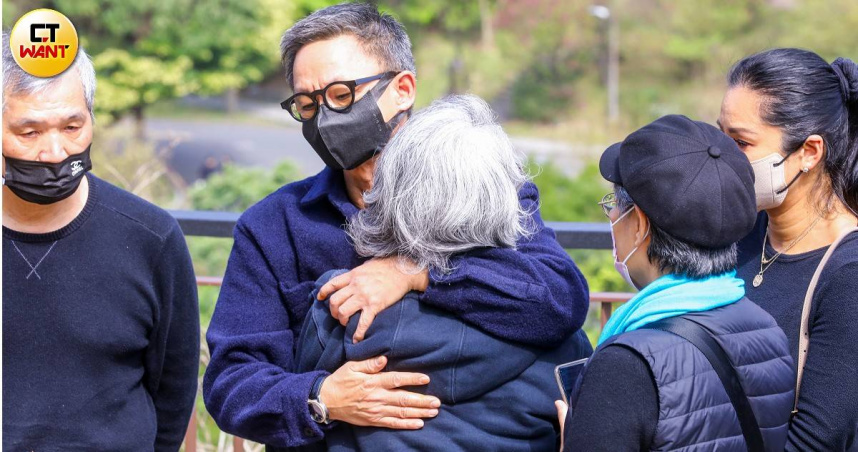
370 288
358 394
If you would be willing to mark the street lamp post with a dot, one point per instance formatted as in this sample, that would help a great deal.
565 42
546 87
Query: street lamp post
604 13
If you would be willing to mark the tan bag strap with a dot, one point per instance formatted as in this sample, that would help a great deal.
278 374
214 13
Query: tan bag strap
804 331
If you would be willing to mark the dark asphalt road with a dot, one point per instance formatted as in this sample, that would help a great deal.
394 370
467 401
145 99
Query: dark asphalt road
263 145
276 138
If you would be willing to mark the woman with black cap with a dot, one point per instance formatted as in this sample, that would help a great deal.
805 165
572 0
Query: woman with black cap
689 362
796 118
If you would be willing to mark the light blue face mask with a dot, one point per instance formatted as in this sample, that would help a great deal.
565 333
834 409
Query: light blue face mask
621 267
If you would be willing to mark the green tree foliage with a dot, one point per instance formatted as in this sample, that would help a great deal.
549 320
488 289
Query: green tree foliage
569 199
545 63
449 16
236 188
554 53
576 200
697 37
148 50
824 26
129 83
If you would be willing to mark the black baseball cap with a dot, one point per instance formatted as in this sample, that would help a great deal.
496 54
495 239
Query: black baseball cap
690 180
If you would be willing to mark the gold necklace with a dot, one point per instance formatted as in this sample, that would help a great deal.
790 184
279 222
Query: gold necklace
766 263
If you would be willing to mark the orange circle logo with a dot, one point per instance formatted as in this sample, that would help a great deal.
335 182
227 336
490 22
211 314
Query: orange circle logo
44 42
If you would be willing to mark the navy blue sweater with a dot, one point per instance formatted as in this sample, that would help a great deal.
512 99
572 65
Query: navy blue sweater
828 417
101 340
534 295
495 394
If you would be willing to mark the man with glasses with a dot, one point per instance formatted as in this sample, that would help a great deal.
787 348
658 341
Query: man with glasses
353 75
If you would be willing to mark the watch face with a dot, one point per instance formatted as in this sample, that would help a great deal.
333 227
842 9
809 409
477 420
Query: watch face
318 412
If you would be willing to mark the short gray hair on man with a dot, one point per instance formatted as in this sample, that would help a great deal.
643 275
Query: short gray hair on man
380 35
17 81
679 257
446 183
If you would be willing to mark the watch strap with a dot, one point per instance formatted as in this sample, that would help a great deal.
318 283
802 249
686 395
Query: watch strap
318 410
317 387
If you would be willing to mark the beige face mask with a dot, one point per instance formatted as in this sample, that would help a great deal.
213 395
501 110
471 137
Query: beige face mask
769 181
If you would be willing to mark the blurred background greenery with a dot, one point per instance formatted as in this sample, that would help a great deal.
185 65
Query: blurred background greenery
542 64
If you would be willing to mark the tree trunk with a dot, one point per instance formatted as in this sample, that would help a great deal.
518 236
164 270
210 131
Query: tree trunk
139 122
487 28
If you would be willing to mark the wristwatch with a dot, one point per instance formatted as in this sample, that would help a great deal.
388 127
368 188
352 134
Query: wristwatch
318 410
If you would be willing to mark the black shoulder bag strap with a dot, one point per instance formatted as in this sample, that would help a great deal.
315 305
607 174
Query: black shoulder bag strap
703 340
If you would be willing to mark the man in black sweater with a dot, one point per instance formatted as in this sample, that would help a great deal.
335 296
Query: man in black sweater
100 317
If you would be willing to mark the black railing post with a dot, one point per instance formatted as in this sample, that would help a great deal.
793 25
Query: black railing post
206 223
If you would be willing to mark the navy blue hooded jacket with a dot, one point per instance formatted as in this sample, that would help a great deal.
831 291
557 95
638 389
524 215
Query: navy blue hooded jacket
531 295
495 394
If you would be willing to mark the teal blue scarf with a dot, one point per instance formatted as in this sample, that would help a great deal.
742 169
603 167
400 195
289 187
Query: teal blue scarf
671 296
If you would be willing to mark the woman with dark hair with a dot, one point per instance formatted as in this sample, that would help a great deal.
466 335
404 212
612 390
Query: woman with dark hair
796 118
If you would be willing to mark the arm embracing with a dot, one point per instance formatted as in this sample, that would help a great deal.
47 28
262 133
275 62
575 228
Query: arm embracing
249 387
533 294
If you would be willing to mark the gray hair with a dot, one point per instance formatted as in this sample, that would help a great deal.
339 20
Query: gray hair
679 257
446 183
17 81
380 35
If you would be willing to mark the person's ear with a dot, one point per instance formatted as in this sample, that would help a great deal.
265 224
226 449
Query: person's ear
642 229
404 90
813 152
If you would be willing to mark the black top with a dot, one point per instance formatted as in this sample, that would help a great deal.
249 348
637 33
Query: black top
100 330
828 417
617 404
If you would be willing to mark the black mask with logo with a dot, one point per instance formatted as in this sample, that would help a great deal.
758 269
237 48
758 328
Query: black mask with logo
344 140
46 183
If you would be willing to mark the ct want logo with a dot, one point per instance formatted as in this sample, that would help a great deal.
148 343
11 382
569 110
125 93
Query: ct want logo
44 42
76 167
53 28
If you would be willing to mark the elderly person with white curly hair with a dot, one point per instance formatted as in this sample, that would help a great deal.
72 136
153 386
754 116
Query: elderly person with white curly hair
446 185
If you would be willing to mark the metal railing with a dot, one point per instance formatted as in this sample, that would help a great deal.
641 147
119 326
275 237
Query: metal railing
583 236
594 236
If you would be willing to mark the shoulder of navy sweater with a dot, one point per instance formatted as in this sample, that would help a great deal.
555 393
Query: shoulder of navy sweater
135 212
846 255
272 209
840 277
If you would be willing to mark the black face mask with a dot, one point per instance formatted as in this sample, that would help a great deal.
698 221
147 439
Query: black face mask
346 139
46 183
